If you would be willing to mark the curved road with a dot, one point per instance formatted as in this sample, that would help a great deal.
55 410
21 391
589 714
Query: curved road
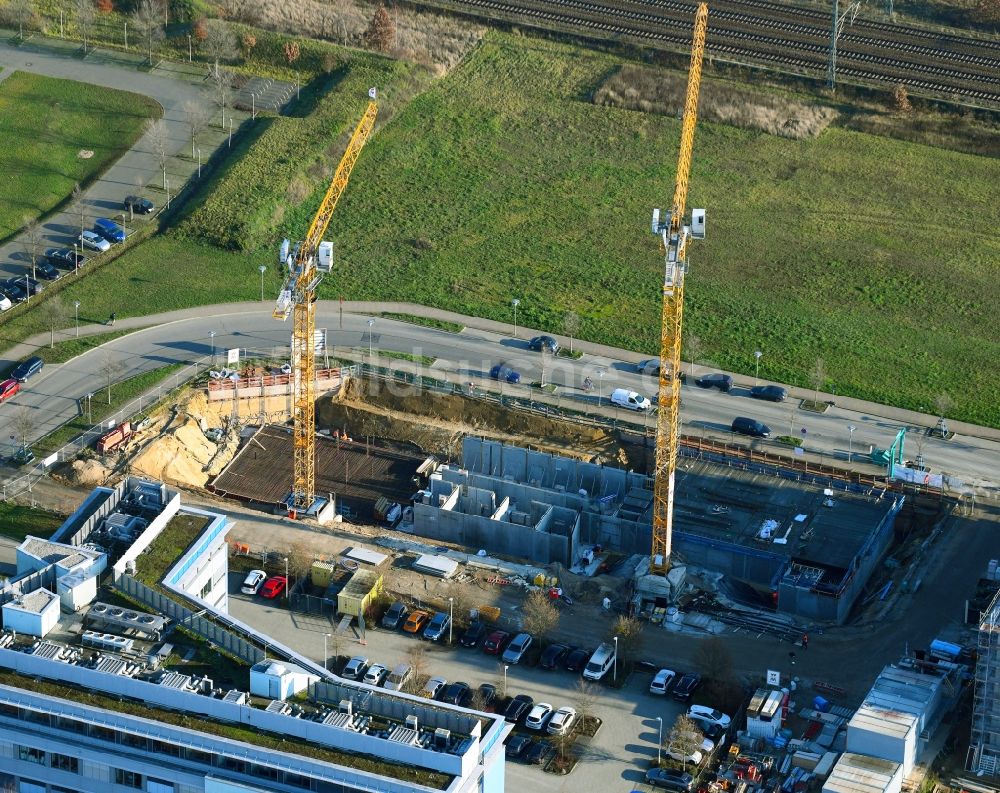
57 394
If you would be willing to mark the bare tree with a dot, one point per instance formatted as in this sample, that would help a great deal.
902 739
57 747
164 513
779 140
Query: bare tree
31 238
901 100
111 367
943 403
300 559
571 326
540 615
220 42
381 33
79 205
54 315
695 350
586 697
416 657
146 20
85 15
818 378
684 738
629 633
22 12
223 83
156 134
196 116
24 424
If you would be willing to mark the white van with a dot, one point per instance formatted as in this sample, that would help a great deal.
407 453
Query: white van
400 677
629 399
600 662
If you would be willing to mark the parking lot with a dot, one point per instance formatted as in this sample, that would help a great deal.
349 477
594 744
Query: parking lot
620 752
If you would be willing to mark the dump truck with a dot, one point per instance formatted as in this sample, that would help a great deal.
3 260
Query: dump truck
110 441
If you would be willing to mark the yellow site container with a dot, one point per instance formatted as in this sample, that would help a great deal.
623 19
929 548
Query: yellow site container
321 573
364 586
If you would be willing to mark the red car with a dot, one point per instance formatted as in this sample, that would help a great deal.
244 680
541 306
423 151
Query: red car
273 587
8 388
496 642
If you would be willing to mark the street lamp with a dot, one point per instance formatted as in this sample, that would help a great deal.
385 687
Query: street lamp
659 742
263 269
211 335
90 420
76 261
76 305
27 290
515 303
505 668
451 618
850 442
199 163
286 578
616 659
756 369
326 656
600 386
371 324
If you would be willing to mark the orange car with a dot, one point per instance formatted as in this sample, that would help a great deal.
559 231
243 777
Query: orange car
416 621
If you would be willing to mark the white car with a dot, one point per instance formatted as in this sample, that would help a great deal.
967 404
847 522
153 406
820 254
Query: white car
376 675
94 241
663 681
5 302
252 582
355 668
695 757
433 687
539 716
561 721
629 399
707 714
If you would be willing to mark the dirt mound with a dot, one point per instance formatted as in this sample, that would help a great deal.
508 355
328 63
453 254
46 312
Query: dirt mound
86 473
180 455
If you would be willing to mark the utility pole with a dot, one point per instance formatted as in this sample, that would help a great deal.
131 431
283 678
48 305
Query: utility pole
831 68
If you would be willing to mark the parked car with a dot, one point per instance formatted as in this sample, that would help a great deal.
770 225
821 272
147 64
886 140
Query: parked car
518 708
752 427
26 284
650 366
713 732
23 456
772 393
355 668
670 779
487 695
395 615
65 257
693 757
516 649
110 230
8 388
516 746
5 302
603 659
14 290
456 694
416 621
141 206
721 381
662 681
504 372
546 343
686 686
438 627
27 368
253 581
536 753
433 687
553 656
539 716
630 399
94 241
562 721
496 642
705 713
376 675
576 659
473 634
47 271
273 587
399 677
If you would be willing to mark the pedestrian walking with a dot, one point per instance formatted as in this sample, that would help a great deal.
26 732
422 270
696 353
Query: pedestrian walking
805 641
111 321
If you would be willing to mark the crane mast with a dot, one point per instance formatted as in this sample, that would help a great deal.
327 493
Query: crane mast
674 234
297 297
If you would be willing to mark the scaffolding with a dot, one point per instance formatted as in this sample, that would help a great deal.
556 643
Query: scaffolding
984 745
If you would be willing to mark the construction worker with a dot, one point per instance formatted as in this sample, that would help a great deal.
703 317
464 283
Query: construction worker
805 641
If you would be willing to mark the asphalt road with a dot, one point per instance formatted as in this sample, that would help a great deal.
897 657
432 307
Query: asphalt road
104 197
57 393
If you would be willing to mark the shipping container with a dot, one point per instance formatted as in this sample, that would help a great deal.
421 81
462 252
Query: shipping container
353 600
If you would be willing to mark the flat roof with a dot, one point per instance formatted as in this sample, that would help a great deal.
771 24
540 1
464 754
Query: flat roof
53 552
261 471
34 602
891 723
858 773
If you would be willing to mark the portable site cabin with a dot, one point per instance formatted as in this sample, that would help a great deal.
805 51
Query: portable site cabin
353 600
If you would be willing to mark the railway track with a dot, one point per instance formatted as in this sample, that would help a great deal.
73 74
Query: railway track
782 36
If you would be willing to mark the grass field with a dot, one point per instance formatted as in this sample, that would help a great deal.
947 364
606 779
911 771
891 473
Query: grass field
17 522
503 180
45 123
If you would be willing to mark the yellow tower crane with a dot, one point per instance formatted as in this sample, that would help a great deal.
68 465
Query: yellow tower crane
675 233
307 263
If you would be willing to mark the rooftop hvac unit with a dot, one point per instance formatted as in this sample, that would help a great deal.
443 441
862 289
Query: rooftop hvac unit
441 737
107 641
346 706
411 721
